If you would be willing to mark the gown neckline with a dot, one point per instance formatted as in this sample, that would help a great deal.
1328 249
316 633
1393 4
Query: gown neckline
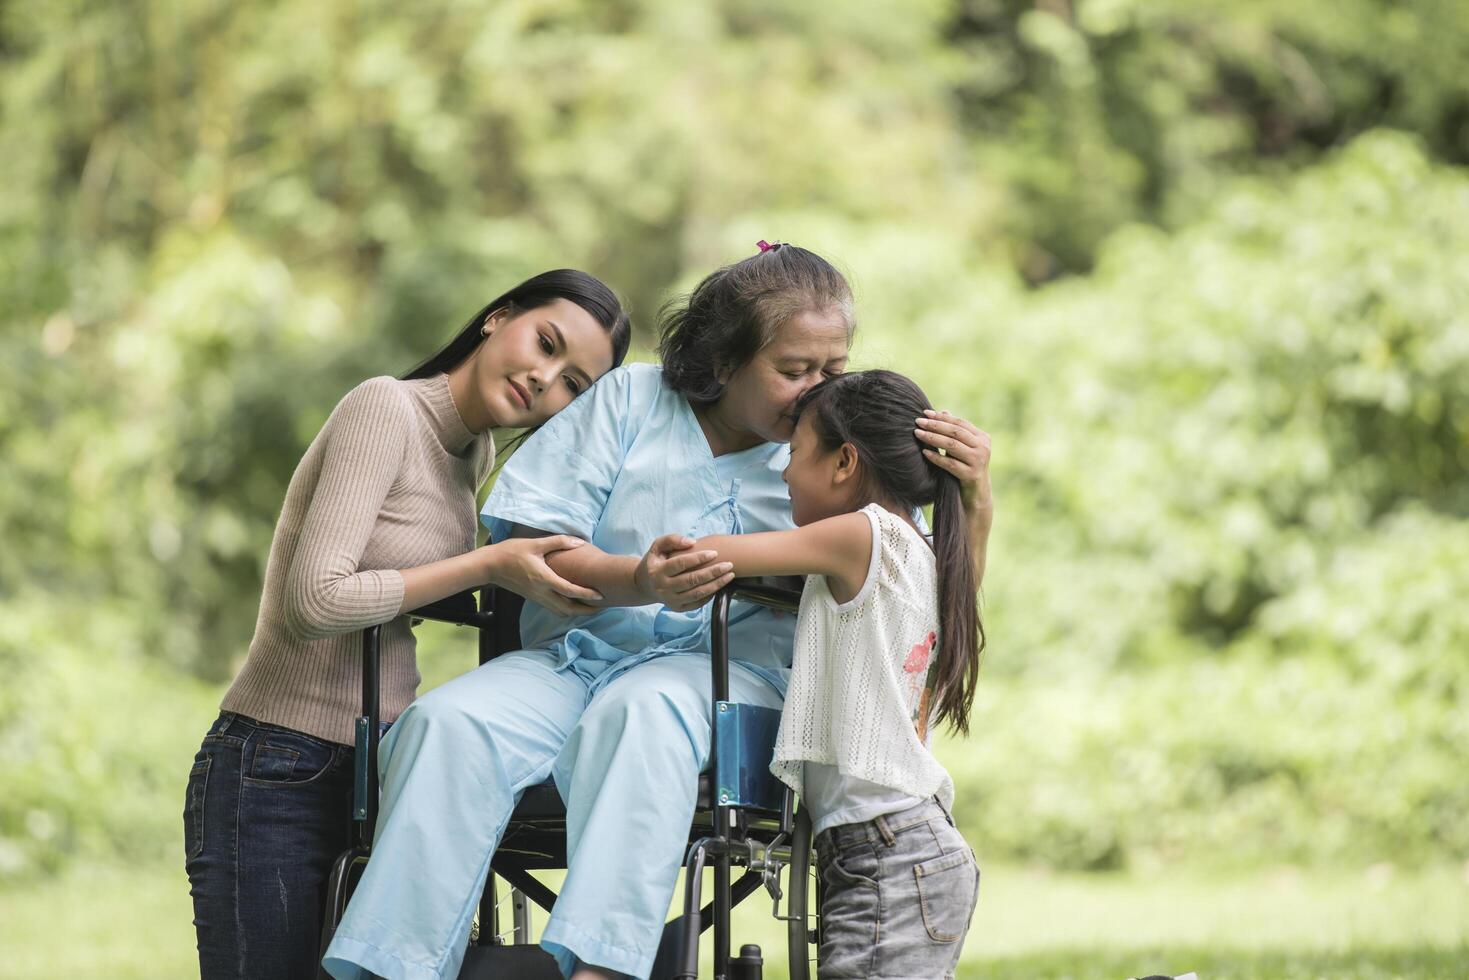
726 460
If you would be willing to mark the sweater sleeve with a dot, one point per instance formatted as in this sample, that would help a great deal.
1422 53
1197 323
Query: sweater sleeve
363 445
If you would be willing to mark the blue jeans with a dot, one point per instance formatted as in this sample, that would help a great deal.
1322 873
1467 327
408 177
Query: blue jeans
266 813
900 891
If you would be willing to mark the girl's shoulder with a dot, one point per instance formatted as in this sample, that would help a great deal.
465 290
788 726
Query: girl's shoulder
903 561
896 532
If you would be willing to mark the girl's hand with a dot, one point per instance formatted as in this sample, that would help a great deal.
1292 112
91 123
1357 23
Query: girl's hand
966 454
520 566
678 577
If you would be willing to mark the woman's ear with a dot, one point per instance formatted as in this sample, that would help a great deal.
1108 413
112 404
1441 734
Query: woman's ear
493 321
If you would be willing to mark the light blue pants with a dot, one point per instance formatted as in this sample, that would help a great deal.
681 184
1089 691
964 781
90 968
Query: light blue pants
626 760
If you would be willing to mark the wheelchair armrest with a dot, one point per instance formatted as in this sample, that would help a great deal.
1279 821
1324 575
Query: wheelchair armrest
776 591
462 609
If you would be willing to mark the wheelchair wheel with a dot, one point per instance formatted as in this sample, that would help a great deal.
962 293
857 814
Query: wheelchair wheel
799 935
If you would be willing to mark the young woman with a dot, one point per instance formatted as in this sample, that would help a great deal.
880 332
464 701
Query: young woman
379 519
888 641
613 704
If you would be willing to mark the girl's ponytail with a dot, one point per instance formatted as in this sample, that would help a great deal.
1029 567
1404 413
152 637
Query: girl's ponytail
961 634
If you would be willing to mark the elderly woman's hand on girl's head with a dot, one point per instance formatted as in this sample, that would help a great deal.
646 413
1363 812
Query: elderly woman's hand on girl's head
959 447
679 577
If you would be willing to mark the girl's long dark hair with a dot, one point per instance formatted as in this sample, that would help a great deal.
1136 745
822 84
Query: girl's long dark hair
874 412
588 292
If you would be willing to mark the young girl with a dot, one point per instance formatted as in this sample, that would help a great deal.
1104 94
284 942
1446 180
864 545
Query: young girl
379 519
887 644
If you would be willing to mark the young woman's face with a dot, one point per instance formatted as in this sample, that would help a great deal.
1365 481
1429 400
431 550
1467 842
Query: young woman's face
533 364
760 397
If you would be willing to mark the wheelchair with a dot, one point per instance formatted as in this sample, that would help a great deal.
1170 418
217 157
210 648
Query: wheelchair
744 818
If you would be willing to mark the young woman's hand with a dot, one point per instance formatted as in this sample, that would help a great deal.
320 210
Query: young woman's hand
966 454
520 566
679 577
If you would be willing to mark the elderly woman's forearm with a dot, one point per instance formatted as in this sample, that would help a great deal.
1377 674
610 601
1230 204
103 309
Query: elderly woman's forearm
589 566
612 575
980 521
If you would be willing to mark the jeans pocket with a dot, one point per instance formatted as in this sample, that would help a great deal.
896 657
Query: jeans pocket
854 866
194 806
281 757
947 888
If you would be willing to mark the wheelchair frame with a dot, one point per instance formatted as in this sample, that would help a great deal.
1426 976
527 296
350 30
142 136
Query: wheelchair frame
730 829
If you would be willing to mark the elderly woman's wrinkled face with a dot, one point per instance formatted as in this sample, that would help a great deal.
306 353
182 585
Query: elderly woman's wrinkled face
760 397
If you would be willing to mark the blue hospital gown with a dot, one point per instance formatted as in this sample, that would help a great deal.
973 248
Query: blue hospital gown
624 464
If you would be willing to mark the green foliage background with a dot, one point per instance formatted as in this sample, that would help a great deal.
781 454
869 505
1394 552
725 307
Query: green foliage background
1202 269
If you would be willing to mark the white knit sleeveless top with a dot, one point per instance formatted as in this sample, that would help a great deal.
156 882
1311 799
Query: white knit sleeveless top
858 697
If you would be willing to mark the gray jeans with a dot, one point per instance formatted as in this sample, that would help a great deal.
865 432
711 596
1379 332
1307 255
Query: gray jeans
900 891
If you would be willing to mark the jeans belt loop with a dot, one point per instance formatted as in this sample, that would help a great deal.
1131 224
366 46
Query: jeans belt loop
881 823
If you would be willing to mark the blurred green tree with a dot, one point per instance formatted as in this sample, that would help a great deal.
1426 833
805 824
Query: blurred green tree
1236 403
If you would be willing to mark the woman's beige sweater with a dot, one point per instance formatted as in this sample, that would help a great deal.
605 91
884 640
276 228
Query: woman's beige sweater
388 483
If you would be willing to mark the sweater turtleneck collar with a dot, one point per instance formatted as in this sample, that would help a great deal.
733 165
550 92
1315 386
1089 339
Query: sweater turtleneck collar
443 414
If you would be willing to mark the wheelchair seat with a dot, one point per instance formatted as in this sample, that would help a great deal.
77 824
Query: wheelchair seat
544 802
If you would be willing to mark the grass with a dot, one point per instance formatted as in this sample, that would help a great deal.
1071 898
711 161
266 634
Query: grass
1211 964
1278 924
1273 923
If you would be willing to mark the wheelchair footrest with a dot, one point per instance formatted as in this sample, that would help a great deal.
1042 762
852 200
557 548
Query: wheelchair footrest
499 962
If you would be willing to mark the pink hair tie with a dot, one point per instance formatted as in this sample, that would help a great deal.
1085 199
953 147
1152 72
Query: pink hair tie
765 246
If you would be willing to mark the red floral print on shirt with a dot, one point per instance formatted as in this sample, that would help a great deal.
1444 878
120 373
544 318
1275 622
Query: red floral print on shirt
918 657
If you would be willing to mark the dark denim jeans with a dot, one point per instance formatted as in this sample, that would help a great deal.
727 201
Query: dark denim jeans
266 813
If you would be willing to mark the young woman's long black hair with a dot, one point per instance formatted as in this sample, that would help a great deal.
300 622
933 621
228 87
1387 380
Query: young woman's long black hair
588 292
874 411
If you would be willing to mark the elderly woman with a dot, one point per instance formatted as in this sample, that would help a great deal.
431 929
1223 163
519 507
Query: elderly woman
613 704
